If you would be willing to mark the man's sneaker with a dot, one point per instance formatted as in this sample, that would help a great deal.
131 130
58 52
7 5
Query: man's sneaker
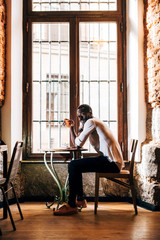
81 204
65 210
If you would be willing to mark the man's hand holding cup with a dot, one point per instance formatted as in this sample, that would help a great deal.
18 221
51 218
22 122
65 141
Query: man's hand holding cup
68 123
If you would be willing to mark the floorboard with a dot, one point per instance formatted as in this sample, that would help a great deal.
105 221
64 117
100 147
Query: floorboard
113 221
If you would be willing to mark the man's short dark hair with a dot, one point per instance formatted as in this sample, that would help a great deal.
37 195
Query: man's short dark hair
85 108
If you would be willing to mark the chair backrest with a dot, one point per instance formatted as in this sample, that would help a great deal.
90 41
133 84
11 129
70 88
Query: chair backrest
13 167
134 143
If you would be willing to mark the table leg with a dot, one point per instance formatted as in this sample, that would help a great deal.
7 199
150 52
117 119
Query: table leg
58 199
66 189
63 196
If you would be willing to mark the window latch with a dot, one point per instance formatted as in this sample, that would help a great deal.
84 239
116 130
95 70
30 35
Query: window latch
27 87
121 27
121 87
27 26
122 146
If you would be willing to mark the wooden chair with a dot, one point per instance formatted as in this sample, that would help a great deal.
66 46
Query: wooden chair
124 174
5 182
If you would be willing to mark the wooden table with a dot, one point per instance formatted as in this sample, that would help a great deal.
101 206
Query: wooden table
75 153
3 148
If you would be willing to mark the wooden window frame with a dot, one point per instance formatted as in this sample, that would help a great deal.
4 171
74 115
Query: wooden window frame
73 18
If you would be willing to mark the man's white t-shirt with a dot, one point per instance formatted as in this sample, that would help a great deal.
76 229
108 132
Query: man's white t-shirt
102 139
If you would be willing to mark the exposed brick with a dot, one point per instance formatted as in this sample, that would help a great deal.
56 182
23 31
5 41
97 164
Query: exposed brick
2 50
152 51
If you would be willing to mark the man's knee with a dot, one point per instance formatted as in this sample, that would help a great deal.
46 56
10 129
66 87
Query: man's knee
73 165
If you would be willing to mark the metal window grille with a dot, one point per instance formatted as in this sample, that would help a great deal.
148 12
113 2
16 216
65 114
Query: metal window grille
98 84
52 95
98 78
43 112
74 5
50 89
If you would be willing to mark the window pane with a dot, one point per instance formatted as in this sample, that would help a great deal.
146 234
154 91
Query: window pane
104 99
36 137
113 127
74 5
98 69
113 101
50 84
36 100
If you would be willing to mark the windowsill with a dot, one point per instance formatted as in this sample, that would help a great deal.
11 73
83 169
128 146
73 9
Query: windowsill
42 162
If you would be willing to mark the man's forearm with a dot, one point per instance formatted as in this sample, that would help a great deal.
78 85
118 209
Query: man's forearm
73 135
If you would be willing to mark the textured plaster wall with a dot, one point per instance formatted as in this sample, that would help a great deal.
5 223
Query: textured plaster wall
148 171
39 184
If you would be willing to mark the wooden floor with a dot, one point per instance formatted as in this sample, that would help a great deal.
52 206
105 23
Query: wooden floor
113 221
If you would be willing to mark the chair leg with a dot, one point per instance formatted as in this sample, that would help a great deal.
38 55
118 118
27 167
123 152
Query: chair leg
9 211
20 212
96 192
134 198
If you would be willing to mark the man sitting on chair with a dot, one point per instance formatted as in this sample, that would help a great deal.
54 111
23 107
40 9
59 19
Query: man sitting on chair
109 157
